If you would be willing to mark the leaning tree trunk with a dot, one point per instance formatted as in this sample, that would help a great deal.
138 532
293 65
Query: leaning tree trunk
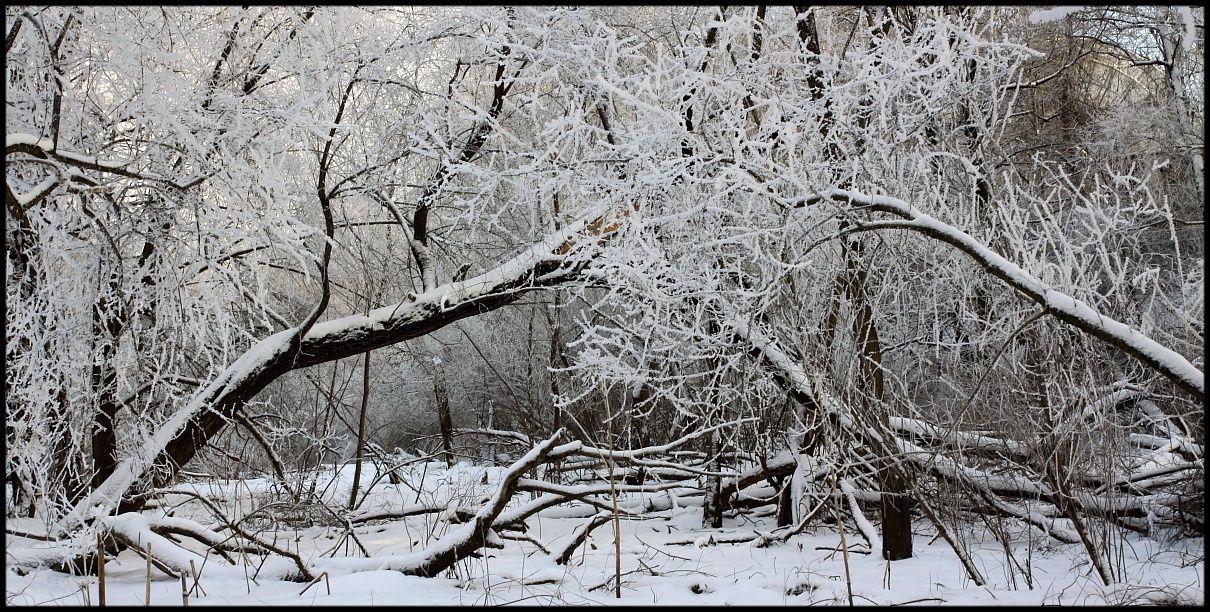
555 260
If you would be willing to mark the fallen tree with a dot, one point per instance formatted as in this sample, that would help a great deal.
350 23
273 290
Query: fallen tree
552 261
1025 481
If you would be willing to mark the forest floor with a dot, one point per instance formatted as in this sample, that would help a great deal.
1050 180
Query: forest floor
667 559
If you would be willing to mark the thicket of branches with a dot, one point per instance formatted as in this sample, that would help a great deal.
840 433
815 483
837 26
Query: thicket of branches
930 262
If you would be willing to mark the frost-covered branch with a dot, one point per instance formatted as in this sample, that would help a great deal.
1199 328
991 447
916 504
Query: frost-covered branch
1064 307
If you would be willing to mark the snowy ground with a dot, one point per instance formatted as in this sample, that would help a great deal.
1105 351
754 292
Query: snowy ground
666 559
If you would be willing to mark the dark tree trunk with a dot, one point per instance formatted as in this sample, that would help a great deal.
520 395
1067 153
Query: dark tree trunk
785 503
896 502
361 431
444 422
107 332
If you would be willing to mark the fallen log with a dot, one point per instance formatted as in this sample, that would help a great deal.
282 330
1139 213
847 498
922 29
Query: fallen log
579 536
458 543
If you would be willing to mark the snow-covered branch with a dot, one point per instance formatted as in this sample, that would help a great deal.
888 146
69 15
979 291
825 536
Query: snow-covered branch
1064 307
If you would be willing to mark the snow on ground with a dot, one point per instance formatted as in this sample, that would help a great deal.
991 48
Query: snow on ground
666 559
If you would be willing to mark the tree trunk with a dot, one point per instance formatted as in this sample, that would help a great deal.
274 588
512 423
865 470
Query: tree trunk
785 503
896 503
444 422
361 431
713 512
556 350
107 331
